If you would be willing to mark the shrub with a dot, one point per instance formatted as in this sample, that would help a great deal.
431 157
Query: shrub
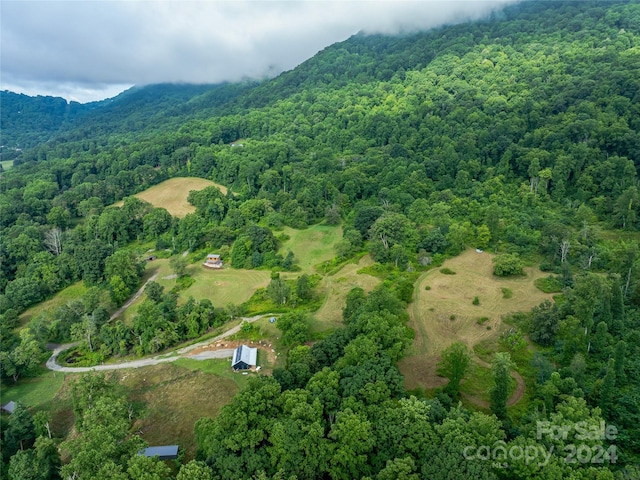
476 300
482 320
427 287
506 292
447 271
549 284
507 264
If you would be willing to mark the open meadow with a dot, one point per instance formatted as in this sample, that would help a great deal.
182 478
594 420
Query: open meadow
169 398
337 286
72 292
311 246
223 287
172 194
443 311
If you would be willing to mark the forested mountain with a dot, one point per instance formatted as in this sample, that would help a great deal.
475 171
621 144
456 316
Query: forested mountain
519 134
28 121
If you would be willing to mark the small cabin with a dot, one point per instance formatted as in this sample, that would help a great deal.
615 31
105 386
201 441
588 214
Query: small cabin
213 261
244 358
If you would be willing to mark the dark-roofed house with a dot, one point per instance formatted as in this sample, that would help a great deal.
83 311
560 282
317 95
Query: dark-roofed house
9 407
165 452
244 358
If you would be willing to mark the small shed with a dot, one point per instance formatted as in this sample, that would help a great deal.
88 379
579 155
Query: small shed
244 358
165 452
9 407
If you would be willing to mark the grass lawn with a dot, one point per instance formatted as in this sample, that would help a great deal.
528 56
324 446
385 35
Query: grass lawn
312 245
172 194
445 313
222 287
6 164
219 367
72 292
34 391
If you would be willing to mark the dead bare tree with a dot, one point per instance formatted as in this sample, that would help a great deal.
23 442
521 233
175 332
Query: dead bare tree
53 241
564 250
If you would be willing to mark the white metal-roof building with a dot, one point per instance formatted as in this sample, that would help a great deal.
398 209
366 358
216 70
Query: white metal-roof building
244 358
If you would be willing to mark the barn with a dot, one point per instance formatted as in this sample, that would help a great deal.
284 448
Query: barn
244 358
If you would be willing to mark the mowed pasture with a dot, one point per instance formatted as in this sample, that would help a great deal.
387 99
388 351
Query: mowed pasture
444 313
172 194
223 287
312 245
337 286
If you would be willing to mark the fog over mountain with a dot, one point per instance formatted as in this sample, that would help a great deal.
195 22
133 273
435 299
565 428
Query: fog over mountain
91 50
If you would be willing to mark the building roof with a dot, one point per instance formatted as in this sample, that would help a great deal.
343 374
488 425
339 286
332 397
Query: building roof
245 354
165 451
9 407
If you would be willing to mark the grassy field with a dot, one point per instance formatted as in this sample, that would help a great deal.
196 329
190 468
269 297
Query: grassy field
312 245
6 164
170 398
173 397
34 391
72 292
172 194
445 312
222 287
337 286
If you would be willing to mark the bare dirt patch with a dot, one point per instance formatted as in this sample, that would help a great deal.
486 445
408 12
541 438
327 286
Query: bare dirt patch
445 312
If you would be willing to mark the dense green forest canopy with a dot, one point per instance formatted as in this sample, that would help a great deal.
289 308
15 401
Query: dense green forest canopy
519 134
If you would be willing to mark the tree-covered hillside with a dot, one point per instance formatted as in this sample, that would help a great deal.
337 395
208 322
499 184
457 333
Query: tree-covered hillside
519 134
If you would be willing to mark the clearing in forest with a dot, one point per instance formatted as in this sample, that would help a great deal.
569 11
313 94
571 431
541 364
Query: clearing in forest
337 286
443 312
172 194
72 292
223 287
312 245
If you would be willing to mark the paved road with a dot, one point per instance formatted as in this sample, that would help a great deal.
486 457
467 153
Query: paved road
158 359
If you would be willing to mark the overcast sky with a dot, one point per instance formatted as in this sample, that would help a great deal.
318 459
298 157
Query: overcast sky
88 50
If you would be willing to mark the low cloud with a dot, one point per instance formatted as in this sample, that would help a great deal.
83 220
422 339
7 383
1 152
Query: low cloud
87 49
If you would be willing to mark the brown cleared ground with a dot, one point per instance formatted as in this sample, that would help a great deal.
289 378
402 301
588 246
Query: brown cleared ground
337 287
174 399
445 313
172 194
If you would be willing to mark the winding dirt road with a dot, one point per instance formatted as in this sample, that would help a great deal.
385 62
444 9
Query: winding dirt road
121 310
158 359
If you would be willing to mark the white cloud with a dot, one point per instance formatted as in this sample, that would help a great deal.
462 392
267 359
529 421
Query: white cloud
89 48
